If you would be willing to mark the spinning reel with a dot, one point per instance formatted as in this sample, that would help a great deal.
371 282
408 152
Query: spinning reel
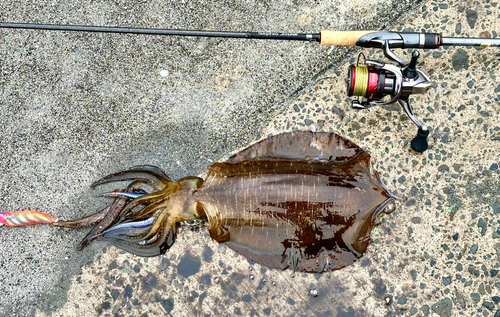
377 80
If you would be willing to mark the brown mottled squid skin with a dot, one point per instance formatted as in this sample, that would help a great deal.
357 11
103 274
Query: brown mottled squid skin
302 200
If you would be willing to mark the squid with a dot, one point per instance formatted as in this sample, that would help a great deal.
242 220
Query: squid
300 200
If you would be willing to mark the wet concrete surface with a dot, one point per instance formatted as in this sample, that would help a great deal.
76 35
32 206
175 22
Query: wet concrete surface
78 106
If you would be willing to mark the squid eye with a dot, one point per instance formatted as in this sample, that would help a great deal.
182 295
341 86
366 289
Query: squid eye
190 223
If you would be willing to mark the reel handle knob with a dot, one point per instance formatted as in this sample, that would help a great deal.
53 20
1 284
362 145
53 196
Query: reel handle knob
419 143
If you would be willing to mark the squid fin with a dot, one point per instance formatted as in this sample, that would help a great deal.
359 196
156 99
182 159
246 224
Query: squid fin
301 145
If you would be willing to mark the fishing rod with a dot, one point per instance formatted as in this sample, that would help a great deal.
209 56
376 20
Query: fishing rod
371 82
351 38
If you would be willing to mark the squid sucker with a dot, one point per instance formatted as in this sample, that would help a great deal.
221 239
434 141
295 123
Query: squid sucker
301 200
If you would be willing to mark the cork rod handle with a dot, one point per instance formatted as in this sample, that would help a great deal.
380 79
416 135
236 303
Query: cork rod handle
348 38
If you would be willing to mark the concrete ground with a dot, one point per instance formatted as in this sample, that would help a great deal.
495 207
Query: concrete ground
75 107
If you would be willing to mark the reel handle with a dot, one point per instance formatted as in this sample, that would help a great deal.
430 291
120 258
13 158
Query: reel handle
419 143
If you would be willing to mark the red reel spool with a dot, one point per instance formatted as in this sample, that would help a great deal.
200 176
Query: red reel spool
364 81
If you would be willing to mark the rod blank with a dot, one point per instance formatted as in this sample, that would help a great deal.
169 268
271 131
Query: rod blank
107 29
465 41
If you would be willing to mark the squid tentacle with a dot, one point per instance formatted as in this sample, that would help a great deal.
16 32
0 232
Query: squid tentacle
148 173
159 244
129 195
127 229
160 218
149 210
160 222
114 212
150 198
85 221
100 215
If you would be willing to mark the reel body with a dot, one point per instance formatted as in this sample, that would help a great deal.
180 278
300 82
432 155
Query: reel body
377 83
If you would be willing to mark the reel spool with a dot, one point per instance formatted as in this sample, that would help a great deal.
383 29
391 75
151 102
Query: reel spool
375 80
369 83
